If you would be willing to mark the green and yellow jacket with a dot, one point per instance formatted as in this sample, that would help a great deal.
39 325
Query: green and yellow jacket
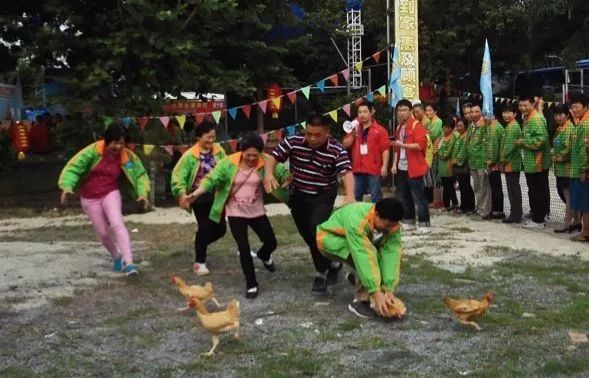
460 150
535 147
185 171
135 182
222 176
349 233
579 153
561 155
434 127
444 154
477 146
494 143
510 157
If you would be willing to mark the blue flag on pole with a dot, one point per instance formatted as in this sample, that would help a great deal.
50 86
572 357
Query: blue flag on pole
395 83
486 85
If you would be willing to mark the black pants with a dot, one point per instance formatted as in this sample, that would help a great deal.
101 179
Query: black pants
411 192
538 191
429 194
562 183
263 229
514 193
496 192
449 195
467 200
308 211
208 231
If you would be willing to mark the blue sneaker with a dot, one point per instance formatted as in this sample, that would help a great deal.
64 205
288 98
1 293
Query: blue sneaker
117 266
130 270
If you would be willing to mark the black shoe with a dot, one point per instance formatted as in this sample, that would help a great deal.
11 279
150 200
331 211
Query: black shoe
332 274
498 216
251 294
351 277
269 267
507 221
361 309
568 229
319 285
576 227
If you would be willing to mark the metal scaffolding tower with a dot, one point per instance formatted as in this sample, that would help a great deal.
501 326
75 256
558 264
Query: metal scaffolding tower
355 31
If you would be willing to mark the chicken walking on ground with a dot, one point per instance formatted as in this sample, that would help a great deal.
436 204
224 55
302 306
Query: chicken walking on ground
468 310
217 322
202 293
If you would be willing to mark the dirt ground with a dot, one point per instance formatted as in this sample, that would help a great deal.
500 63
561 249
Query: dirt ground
63 312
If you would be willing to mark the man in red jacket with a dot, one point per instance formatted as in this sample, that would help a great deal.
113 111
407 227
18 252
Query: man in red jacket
368 145
410 166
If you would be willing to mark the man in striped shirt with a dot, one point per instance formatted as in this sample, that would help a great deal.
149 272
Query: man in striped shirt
316 160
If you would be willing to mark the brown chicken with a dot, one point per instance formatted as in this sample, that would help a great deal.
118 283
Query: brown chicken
217 322
202 293
468 310
397 310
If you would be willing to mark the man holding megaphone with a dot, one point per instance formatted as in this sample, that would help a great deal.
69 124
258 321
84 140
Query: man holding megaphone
368 143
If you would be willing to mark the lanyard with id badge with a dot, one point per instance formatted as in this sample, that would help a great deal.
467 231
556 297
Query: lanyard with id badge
364 141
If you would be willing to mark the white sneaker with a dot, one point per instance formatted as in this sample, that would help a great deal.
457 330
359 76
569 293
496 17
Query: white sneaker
534 226
200 269
407 227
423 230
253 253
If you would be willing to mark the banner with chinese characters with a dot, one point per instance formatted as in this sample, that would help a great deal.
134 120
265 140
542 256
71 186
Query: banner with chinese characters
406 25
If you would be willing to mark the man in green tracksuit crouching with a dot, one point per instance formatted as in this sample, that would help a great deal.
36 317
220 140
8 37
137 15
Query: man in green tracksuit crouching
366 237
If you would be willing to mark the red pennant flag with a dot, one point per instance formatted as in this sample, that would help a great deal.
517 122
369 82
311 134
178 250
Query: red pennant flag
143 122
233 144
183 149
376 56
131 146
263 105
346 73
292 96
199 117
346 109
278 134
264 137
165 121
247 111
169 149
334 79
359 101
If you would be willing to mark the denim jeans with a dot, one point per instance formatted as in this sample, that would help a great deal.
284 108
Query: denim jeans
367 184
412 194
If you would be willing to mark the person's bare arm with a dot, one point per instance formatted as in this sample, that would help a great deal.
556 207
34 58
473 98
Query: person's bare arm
348 180
385 163
270 182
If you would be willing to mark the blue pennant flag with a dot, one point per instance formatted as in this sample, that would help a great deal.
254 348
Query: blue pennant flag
370 97
291 130
232 112
321 85
127 122
486 85
395 83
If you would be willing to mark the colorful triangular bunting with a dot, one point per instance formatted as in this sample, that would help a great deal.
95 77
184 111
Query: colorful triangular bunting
306 91
107 121
165 121
321 85
276 102
181 120
358 66
346 109
333 115
127 122
199 117
247 111
148 149
143 122
216 116
334 79
232 112
346 74
376 56
263 105
292 96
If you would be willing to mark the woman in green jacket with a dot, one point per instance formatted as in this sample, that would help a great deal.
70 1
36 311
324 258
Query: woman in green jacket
444 147
460 167
187 175
511 162
561 157
99 171
238 181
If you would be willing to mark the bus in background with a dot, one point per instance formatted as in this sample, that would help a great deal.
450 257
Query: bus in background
556 83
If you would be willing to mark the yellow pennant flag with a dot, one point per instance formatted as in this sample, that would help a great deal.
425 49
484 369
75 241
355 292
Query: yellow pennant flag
148 149
333 115
359 66
181 120
276 102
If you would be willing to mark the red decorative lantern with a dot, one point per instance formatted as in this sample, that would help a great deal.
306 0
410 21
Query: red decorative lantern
20 138
274 100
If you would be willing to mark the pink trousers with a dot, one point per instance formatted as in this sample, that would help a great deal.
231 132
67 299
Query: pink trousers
107 218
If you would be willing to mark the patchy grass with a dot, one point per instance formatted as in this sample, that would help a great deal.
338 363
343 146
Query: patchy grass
130 325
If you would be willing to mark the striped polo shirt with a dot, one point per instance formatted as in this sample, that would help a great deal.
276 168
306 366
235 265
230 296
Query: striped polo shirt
313 171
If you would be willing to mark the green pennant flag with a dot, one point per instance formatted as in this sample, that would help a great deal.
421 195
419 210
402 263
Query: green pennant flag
107 121
304 124
217 116
382 90
306 91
